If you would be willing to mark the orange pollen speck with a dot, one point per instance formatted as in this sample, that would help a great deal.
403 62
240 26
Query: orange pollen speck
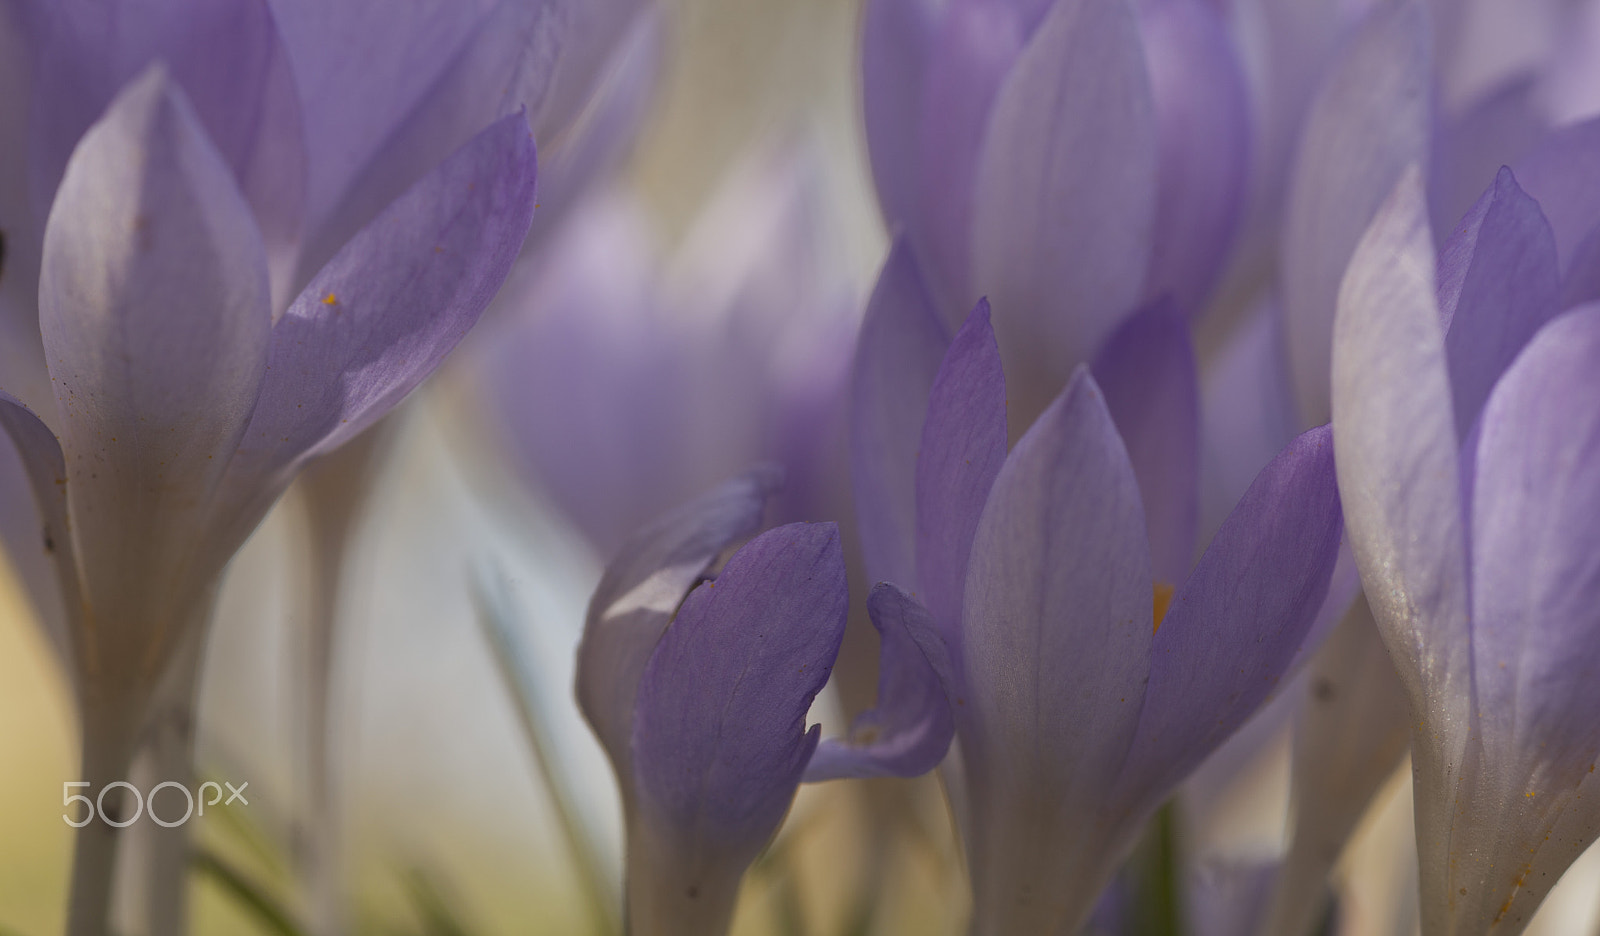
1163 599
330 299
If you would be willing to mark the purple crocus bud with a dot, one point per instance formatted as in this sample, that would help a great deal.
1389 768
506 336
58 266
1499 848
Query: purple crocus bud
719 734
184 409
997 128
1477 552
1077 720
1032 572
699 697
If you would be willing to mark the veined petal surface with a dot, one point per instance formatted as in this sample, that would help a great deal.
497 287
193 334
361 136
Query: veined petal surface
1056 643
385 311
1499 281
1239 619
1536 615
1394 429
154 308
1066 190
963 447
641 589
719 734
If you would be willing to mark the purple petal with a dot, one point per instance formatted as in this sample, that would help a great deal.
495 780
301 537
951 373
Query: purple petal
1536 605
1398 479
901 346
909 731
970 56
612 457
1559 173
154 311
1498 283
963 447
1368 123
1147 371
1237 622
596 145
399 89
1397 446
1202 109
1056 635
719 734
1066 189
1247 413
641 589
1583 273
896 36
41 547
383 313
1472 147
230 62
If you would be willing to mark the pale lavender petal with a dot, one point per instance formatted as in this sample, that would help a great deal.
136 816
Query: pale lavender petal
1560 175
383 313
1350 738
154 308
1498 284
1237 622
719 736
1370 120
896 36
39 538
1147 371
963 447
1398 479
641 589
973 50
908 732
899 352
1202 108
230 62
1056 634
1536 609
1066 189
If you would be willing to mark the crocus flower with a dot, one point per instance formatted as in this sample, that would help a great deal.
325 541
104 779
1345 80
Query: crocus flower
1067 158
1078 699
1466 418
185 409
699 697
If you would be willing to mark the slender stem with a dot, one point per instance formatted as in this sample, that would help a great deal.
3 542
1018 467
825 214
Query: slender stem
333 492
171 746
107 752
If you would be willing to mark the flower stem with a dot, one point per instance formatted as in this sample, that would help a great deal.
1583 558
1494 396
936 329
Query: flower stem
106 756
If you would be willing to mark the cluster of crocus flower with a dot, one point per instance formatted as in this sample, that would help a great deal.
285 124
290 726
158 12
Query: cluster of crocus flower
1093 538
